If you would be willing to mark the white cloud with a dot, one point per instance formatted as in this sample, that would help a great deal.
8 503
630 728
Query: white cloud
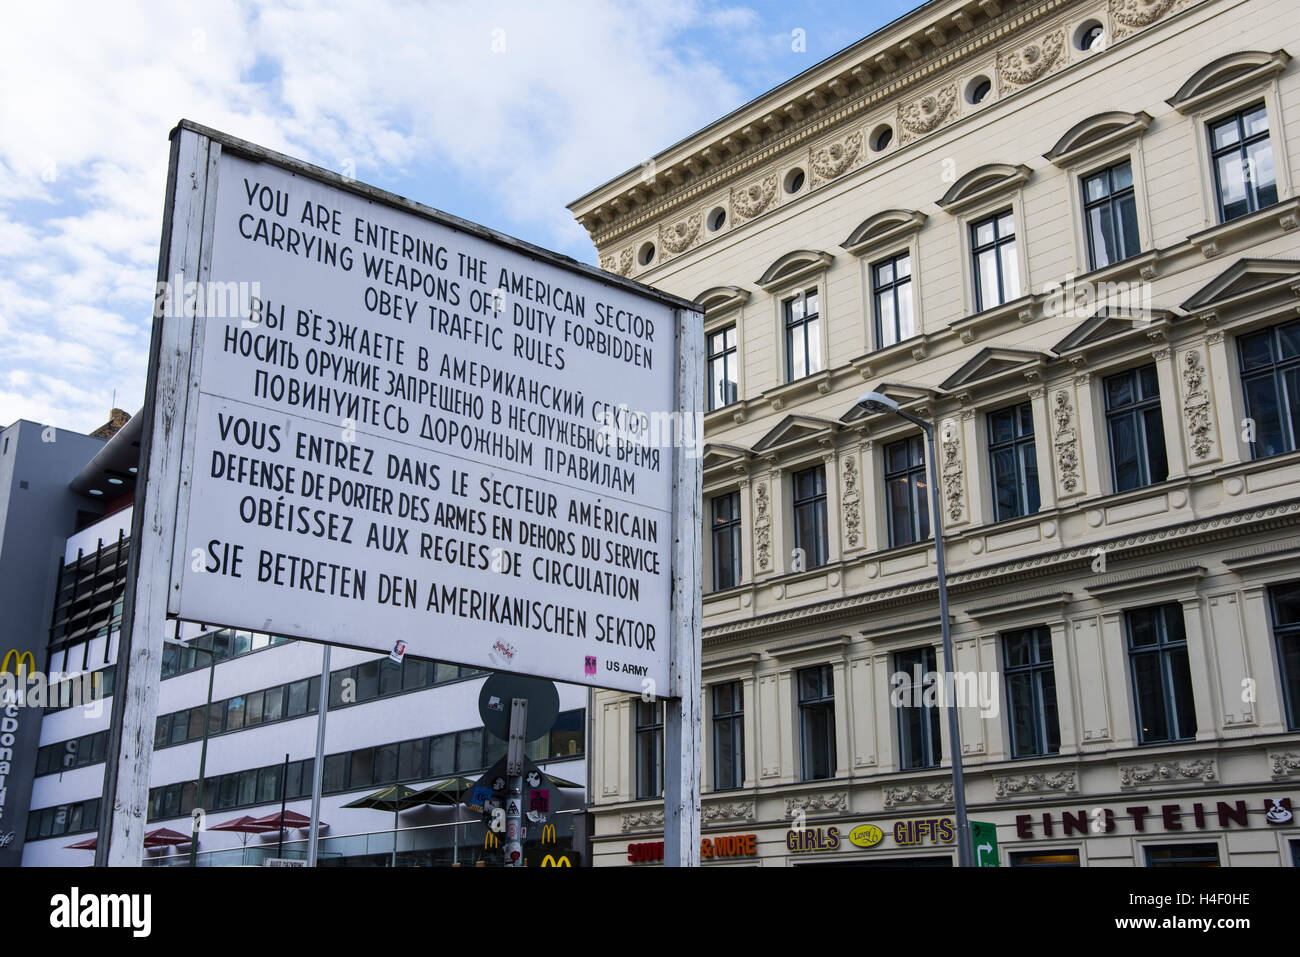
525 106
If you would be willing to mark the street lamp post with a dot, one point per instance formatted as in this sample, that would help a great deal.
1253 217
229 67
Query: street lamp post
876 402
203 754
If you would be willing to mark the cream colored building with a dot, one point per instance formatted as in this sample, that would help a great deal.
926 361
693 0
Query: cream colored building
1095 205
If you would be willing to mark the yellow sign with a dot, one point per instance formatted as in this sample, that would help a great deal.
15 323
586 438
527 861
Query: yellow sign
16 659
550 861
866 835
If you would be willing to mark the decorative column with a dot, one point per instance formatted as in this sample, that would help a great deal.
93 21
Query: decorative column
1075 439
871 492
1198 663
834 535
851 500
1169 406
1043 448
1221 366
764 560
1065 676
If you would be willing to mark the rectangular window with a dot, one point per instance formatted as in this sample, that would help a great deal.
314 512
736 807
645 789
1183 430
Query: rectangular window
810 515
567 734
726 540
905 492
891 291
803 344
1137 434
368 680
1031 693
410 762
724 382
1242 157
469 749
1012 462
1285 600
272 708
386 764
335 775
442 755
919 744
649 748
362 773
817 723
235 713
1270 380
416 673
1110 215
1182 855
390 677
253 709
993 253
268 783
1162 679
728 736
297 698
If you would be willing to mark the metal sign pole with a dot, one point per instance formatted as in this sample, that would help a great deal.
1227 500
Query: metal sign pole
318 768
514 843
191 198
682 710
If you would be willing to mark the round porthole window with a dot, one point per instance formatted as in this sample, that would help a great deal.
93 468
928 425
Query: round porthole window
881 137
978 89
794 180
717 219
647 254
1089 36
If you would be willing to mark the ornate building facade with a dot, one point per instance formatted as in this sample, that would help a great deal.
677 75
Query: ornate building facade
1065 232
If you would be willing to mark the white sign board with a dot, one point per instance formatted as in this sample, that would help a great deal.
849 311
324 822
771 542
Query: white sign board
411 432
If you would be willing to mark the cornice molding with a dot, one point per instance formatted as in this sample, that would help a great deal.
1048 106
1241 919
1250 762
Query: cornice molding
1279 515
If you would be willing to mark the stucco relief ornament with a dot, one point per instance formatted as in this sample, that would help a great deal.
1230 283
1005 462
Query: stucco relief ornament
680 235
762 528
1016 784
1137 774
830 161
953 484
622 266
643 819
1033 61
1066 442
852 513
1196 405
927 113
749 201
1131 15
940 793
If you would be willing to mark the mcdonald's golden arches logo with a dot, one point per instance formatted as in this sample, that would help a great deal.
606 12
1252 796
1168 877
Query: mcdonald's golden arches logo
550 860
14 662
548 836
490 840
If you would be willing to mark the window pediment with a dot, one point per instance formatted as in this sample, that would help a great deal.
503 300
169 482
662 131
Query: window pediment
913 398
717 456
984 182
1242 277
992 363
796 430
721 298
1228 75
1110 323
888 226
1096 133
793 266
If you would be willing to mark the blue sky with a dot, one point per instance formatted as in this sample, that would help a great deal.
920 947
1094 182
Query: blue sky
500 112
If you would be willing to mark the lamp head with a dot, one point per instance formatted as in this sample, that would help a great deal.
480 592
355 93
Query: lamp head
878 402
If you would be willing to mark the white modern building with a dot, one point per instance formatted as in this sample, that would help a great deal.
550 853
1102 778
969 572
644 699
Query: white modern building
414 724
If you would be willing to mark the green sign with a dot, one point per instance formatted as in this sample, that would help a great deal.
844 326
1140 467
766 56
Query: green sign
984 839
